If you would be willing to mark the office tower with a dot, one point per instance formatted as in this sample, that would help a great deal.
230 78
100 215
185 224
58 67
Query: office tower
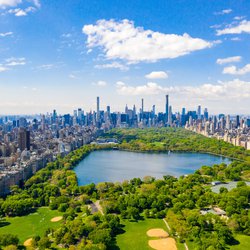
108 110
237 121
199 112
183 117
43 122
167 109
206 114
23 139
134 110
170 115
98 109
248 123
126 109
153 110
228 122
142 109
54 116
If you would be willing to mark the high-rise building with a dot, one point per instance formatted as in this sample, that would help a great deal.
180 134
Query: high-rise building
228 124
170 115
23 139
237 121
206 114
167 109
199 112
98 110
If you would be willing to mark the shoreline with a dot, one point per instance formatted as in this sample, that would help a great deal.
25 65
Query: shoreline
167 150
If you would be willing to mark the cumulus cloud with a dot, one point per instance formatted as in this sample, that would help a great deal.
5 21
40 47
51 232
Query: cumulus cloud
122 40
223 12
242 27
232 70
100 83
6 34
15 61
222 90
113 65
157 75
228 60
10 3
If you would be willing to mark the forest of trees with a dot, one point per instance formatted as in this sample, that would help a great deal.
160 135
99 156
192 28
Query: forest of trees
175 139
178 200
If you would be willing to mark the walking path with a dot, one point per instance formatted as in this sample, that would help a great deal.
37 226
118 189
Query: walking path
185 244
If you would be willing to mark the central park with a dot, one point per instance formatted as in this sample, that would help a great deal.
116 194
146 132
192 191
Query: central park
54 209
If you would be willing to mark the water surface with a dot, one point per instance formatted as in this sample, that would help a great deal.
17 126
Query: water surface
115 165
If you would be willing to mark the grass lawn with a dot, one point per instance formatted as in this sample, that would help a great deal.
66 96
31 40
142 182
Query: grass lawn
244 242
135 236
30 225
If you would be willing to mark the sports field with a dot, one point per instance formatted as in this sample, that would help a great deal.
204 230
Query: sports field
30 225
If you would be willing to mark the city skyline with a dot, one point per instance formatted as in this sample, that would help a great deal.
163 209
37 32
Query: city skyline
61 56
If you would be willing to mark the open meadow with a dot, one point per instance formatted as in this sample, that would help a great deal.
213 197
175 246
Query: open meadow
30 225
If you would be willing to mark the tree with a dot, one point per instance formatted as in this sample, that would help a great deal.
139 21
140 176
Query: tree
8 239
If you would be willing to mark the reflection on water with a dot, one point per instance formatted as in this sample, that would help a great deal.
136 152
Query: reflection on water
116 165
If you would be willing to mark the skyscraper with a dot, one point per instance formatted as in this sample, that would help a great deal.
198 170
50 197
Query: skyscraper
199 112
167 109
23 139
98 110
170 115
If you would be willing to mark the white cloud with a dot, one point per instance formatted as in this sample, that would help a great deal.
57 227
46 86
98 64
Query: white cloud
15 61
239 17
73 76
12 3
113 65
242 27
100 83
3 68
234 89
235 39
9 2
37 3
228 60
66 35
150 88
122 40
157 75
22 12
6 34
223 12
232 70
46 67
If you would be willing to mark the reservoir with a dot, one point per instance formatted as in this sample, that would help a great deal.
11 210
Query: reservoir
115 165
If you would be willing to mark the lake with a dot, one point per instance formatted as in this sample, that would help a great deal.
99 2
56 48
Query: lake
115 165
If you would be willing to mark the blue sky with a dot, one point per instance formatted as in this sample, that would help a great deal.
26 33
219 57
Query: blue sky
62 54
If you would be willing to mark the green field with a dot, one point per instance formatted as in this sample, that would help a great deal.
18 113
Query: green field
28 226
135 236
244 242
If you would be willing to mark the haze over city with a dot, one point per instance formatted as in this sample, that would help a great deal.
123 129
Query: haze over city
61 55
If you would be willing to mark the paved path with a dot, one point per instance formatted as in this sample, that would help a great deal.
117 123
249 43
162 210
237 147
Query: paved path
176 233
96 207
